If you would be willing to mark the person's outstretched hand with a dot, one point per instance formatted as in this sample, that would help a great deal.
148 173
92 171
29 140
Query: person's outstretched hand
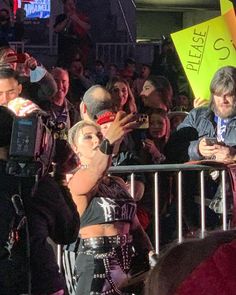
122 125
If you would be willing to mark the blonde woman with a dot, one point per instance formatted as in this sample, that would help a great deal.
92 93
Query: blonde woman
110 234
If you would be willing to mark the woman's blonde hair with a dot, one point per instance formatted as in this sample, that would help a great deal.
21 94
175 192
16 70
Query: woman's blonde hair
73 132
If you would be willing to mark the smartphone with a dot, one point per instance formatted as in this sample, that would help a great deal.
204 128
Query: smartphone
211 140
143 121
20 57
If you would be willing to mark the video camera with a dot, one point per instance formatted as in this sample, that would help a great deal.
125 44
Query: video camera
32 146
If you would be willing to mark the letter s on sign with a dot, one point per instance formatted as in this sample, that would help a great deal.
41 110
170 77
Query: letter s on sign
225 51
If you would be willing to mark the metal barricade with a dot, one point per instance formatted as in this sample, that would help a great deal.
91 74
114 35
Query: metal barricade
17 46
179 169
117 52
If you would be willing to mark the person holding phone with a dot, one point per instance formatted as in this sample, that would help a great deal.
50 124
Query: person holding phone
37 83
157 136
208 132
218 120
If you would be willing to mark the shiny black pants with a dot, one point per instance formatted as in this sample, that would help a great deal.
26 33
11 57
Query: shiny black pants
102 270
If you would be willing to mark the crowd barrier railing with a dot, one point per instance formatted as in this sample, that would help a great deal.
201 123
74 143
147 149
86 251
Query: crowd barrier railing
117 52
17 46
179 169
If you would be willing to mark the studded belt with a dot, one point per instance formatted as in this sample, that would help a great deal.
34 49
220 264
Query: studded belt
106 241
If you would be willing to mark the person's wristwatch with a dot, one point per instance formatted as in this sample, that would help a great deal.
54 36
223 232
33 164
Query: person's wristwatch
105 147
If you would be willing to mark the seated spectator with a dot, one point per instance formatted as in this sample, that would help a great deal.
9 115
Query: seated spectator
157 93
204 266
122 95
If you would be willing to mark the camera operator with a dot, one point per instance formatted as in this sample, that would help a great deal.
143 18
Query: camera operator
13 260
30 214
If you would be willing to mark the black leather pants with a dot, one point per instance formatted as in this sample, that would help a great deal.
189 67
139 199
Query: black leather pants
103 267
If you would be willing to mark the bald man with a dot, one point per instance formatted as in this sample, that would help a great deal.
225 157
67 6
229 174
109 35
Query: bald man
95 100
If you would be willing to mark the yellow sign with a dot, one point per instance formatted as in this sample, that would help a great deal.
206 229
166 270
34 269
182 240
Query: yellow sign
225 5
204 48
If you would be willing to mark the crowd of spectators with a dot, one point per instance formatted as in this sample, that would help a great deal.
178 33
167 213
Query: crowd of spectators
144 119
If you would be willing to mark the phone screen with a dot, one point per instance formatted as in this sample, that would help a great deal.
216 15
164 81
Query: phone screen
211 140
21 57
143 119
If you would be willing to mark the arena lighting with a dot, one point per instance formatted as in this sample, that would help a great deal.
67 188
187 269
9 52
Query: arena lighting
17 4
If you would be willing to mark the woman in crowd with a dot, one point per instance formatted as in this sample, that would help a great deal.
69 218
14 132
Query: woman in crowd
122 95
157 136
109 230
157 93
154 140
